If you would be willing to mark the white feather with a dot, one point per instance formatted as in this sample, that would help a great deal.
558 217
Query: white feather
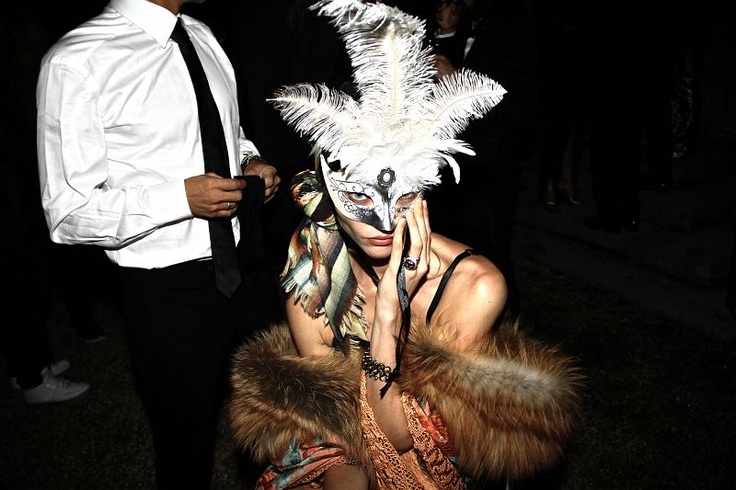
327 117
402 116
459 98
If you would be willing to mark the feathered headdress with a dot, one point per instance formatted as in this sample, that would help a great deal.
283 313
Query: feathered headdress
397 136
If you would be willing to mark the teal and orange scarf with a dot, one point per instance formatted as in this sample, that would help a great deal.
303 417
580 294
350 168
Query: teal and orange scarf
318 265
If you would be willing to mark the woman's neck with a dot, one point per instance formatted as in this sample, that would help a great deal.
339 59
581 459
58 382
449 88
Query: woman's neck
371 267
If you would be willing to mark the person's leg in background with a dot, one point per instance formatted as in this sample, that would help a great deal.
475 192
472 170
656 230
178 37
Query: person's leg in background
731 277
81 278
568 183
657 85
615 139
23 337
555 132
26 345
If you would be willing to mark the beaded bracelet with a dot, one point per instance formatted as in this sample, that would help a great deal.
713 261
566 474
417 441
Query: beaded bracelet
374 369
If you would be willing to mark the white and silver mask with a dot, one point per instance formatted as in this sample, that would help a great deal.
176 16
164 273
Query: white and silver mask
378 200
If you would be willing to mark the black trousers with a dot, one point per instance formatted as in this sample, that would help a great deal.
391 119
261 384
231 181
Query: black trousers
182 334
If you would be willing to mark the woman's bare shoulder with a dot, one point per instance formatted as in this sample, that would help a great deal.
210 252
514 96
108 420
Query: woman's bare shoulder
476 278
311 335
473 267
476 293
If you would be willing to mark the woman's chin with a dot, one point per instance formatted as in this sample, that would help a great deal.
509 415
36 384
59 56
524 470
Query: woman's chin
377 254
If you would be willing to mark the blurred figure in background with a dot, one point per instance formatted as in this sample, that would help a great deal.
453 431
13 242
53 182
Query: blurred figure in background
480 210
731 276
562 119
630 105
450 28
27 265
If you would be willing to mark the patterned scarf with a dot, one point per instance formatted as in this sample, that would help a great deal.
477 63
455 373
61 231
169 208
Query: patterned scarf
318 264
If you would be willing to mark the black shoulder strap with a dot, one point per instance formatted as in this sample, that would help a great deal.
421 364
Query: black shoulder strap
443 281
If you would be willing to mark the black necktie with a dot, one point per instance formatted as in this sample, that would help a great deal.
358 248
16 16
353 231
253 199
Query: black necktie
224 255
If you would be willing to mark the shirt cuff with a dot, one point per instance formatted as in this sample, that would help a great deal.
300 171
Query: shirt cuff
168 202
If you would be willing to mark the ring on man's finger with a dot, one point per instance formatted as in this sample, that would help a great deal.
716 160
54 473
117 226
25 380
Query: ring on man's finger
229 204
411 263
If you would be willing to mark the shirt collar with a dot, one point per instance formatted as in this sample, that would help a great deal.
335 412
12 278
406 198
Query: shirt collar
149 17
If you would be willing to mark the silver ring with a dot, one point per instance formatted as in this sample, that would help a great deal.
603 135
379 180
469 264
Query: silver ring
411 263
228 205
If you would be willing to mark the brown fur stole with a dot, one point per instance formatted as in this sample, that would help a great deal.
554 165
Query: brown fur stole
278 395
509 405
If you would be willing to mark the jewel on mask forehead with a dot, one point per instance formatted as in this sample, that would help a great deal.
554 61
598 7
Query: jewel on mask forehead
386 177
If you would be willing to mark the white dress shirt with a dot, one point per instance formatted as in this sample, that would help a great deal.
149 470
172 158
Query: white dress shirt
118 132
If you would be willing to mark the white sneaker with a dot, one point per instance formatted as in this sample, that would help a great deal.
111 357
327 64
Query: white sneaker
55 368
53 389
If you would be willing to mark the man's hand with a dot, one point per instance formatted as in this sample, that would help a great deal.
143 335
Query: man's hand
267 172
212 196
443 66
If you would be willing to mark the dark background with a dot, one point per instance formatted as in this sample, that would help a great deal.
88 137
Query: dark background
656 344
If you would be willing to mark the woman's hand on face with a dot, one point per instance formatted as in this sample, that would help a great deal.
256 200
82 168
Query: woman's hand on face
416 224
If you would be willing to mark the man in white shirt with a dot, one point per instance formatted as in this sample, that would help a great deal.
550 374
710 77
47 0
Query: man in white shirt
121 166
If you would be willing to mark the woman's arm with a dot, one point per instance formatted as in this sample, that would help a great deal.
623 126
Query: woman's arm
343 476
312 336
388 409
471 304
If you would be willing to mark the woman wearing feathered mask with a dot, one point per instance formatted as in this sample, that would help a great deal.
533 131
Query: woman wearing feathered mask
394 369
